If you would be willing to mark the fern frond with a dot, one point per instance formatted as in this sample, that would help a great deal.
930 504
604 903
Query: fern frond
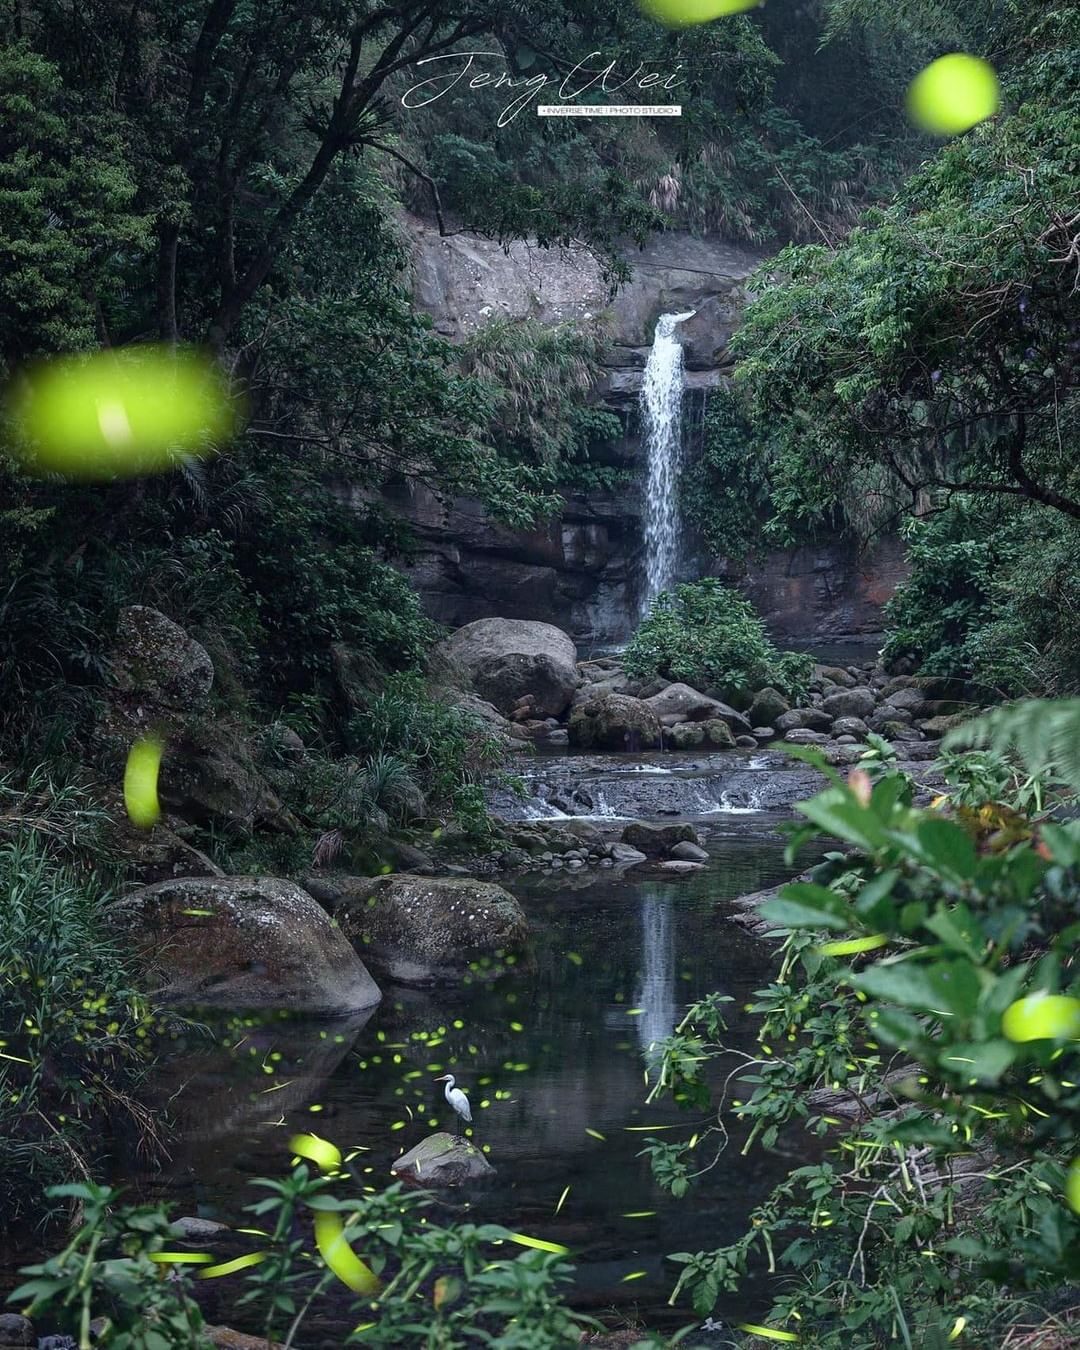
1044 734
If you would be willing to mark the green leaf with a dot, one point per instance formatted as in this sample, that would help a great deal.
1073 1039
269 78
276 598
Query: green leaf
804 905
872 902
945 987
957 929
945 846
837 811
984 1061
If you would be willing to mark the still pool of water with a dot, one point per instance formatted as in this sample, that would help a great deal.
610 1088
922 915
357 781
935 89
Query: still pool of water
557 1047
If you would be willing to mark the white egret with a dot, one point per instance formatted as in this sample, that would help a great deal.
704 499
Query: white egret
457 1099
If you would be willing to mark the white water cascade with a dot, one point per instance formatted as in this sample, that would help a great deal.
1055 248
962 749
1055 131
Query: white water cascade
661 417
656 995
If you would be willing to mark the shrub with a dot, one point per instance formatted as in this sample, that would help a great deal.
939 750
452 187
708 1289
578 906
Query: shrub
992 597
951 1178
447 1287
446 749
74 1028
708 635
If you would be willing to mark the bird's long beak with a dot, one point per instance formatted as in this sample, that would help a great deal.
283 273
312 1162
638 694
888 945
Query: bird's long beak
441 1078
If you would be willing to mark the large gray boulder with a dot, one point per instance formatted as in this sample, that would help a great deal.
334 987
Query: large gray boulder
833 675
613 722
911 700
442 1160
241 942
429 930
657 841
511 659
680 700
157 662
857 702
817 719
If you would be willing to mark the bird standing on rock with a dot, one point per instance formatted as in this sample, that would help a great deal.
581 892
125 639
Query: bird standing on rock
457 1099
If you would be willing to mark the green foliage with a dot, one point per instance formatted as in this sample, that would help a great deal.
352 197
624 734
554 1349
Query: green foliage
959 570
66 208
75 1030
992 598
708 635
763 150
447 749
930 350
1043 734
107 1271
943 1183
725 489
540 378
443 1288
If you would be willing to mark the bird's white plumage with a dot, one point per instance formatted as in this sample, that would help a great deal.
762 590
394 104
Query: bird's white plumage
457 1099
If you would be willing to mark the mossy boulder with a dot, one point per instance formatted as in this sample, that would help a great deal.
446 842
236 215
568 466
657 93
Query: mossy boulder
241 942
688 735
613 722
719 735
442 1160
657 841
157 662
768 705
429 930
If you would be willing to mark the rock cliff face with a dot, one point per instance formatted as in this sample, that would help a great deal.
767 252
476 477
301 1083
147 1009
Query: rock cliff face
582 570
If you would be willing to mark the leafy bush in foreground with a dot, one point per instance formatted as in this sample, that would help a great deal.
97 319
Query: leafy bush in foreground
441 1288
708 635
949 1177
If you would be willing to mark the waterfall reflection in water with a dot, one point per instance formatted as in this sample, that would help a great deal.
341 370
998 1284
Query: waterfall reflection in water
556 1058
656 993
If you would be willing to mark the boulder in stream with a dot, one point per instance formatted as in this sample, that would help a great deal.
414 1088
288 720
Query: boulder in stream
657 841
511 659
442 1160
768 705
857 702
242 942
613 722
719 735
680 700
429 930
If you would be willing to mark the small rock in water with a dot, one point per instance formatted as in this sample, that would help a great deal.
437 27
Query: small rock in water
194 1228
677 865
442 1159
746 742
688 852
624 855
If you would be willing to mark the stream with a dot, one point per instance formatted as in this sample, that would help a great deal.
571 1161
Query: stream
553 1055
553 1052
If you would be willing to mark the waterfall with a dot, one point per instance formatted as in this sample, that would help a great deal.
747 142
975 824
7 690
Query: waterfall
657 994
661 416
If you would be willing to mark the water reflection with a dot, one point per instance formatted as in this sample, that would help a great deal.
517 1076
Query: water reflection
551 1048
656 992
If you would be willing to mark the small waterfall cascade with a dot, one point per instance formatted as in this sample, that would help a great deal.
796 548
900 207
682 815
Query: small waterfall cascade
656 996
661 417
